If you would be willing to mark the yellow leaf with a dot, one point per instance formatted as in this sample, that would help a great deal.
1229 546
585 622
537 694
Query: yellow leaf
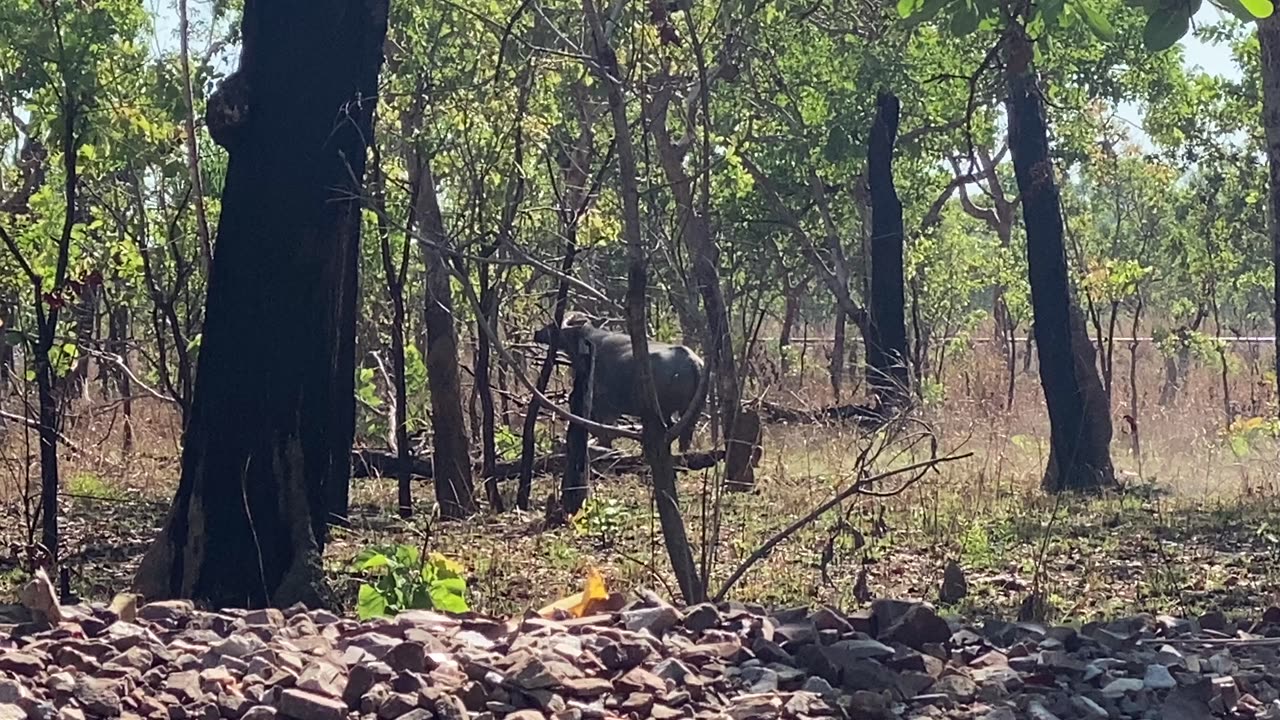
594 593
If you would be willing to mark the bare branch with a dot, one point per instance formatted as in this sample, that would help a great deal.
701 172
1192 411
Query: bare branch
857 487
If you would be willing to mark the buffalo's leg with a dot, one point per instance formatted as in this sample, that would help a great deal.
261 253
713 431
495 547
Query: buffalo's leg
686 435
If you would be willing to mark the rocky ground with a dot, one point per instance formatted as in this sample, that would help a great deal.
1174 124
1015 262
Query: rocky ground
645 659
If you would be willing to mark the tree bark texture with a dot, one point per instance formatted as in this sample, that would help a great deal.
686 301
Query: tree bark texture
1269 41
268 441
454 484
887 349
1080 424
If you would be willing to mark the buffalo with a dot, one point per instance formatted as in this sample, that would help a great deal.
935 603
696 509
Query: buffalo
677 373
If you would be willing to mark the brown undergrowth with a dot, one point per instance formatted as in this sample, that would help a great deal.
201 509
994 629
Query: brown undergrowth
1197 524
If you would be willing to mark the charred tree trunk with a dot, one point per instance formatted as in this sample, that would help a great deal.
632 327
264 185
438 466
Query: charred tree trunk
575 486
1080 425
1269 41
887 349
657 448
267 428
454 486
7 342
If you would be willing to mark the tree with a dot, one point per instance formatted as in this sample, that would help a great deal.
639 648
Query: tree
1079 418
887 349
267 446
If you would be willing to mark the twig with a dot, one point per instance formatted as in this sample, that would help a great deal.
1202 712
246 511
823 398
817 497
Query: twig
35 425
859 486
119 362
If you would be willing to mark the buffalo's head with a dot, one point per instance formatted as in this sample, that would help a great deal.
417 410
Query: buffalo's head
548 333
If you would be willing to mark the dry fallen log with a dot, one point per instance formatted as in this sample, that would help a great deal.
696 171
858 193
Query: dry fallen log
378 463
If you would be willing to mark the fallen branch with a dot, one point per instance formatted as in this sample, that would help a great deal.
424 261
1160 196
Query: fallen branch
367 463
859 486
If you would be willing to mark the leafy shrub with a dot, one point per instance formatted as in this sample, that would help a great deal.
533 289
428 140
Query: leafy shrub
401 579
603 519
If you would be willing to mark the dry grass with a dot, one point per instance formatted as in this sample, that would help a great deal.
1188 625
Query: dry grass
1199 527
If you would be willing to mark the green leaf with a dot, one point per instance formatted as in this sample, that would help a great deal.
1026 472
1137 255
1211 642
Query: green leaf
1239 446
370 560
1099 24
1258 8
370 603
906 8
1165 28
928 11
448 596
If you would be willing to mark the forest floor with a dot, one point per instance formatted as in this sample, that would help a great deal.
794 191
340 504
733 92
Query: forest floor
1200 531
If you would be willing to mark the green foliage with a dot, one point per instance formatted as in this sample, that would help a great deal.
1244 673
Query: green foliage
1244 435
602 519
401 579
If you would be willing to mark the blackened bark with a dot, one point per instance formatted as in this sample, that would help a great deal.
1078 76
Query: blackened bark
1080 426
260 461
887 349
1269 42
575 486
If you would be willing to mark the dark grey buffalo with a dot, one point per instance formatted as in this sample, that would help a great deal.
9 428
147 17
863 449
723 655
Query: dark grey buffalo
676 372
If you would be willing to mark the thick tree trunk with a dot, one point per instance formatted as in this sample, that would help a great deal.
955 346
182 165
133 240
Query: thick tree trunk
887 349
267 428
1269 40
1080 425
454 485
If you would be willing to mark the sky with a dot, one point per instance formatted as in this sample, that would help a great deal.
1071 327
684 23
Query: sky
1215 59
